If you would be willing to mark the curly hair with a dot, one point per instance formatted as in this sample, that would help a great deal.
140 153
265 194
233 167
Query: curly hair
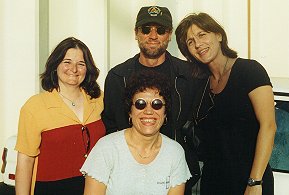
49 78
147 79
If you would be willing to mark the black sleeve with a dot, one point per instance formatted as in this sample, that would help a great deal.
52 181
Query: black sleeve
114 115
255 75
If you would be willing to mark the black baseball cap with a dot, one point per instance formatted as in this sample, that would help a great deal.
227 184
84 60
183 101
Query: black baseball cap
154 14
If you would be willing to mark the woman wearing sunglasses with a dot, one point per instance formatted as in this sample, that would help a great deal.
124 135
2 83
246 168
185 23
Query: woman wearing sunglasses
139 159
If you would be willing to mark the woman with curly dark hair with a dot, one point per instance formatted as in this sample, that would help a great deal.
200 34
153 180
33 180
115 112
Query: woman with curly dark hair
58 127
139 155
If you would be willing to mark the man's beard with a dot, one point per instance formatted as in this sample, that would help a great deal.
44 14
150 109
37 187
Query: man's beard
155 53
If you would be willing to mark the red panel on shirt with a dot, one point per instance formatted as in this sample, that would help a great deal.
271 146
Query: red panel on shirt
62 151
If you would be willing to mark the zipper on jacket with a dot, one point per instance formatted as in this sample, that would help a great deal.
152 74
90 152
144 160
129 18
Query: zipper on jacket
124 82
180 105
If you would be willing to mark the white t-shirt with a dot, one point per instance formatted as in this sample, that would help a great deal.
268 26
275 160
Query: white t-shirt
112 163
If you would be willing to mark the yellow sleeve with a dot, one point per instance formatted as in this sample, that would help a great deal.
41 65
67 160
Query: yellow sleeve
29 135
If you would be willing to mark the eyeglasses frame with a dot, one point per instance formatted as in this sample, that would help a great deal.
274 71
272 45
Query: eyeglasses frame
166 30
151 103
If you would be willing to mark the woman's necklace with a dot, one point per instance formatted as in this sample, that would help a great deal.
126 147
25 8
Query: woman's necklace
223 72
72 102
150 153
221 76
144 157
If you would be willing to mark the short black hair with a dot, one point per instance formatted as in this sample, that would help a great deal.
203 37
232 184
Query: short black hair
148 79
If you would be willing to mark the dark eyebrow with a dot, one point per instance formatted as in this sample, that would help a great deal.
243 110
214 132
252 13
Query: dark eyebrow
71 60
202 31
189 39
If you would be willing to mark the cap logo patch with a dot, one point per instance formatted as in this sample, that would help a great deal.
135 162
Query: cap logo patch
154 11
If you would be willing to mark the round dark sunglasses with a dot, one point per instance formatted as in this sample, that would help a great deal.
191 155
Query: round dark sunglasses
156 104
147 29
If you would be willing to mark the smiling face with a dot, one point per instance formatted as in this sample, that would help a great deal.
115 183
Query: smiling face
72 69
204 46
152 45
147 121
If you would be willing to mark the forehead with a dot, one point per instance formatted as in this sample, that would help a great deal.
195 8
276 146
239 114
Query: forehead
147 94
194 29
73 52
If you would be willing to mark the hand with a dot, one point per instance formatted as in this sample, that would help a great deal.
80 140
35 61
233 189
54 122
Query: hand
253 190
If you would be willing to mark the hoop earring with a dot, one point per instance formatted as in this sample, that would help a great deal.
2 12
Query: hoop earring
129 121
165 121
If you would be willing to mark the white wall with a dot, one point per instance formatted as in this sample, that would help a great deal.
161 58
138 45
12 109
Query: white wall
270 40
18 60
85 20
281 181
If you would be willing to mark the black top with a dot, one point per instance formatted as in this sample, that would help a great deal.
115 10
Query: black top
183 92
230 128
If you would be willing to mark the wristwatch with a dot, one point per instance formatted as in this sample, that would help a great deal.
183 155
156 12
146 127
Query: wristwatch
253 182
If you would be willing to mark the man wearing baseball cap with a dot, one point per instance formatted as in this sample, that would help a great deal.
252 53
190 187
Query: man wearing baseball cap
154 14
153 31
